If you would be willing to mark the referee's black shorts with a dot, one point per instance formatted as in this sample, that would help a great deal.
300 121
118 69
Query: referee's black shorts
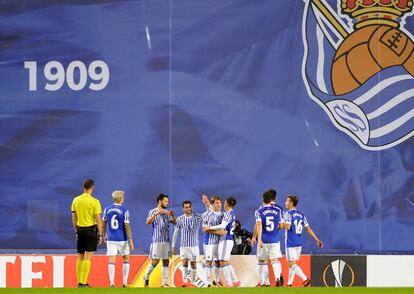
87 239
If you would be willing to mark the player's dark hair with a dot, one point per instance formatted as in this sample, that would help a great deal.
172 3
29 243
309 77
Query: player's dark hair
187 202
161 197
274 193
88 184
294 199
267 197
214 198
231 201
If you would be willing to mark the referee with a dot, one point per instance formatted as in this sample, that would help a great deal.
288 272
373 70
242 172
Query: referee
86 219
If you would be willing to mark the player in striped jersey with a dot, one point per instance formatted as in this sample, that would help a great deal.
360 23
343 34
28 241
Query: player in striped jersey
212 217
294 223
160 219
226 242
189 224
276 264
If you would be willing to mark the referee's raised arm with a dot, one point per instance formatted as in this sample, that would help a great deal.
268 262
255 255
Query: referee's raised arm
86 220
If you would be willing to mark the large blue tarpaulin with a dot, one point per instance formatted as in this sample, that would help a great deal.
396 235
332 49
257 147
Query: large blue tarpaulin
203 97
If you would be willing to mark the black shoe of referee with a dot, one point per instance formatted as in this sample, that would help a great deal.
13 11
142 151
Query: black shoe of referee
86 285
146 283
281 279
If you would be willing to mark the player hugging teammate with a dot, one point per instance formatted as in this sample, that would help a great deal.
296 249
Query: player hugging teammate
218 226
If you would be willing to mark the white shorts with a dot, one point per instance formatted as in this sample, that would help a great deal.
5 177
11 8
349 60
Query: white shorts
190 253
160 250
224 249
211 252
269 251
114 248
293 253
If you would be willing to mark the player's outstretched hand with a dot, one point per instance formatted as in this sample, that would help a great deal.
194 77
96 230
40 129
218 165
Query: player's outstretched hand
260 244
131 244
320 244
205 229
205 200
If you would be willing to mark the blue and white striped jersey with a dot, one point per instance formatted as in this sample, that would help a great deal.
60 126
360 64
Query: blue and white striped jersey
210 219
298 221
229 219
160 226
189 227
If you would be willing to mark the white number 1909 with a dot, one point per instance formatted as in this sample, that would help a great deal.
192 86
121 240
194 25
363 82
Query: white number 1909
55 74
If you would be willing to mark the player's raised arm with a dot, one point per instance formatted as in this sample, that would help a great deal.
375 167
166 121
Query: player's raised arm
152 215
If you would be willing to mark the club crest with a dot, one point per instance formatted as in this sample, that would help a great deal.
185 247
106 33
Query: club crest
359 67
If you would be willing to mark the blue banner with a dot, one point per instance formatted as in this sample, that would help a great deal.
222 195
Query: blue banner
206 97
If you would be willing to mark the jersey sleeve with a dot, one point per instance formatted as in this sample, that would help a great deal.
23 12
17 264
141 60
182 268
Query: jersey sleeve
305 222
257 216
73 206
126 217
151 213
98 208
287 218
104 215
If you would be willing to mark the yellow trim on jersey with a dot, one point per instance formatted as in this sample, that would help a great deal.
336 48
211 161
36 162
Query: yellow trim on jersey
86 208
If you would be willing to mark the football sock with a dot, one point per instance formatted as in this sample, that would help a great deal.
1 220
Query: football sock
208 271
262 279
111 272
216 274
86 268
297 270
79 264
165 272
277 269
125 273
227 274
185 274
149 271
291 277
193 275
233 274
266 273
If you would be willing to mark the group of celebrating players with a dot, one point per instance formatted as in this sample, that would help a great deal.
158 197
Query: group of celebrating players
218 227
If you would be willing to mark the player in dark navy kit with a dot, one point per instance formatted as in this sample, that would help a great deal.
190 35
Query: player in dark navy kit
295 221
118 236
